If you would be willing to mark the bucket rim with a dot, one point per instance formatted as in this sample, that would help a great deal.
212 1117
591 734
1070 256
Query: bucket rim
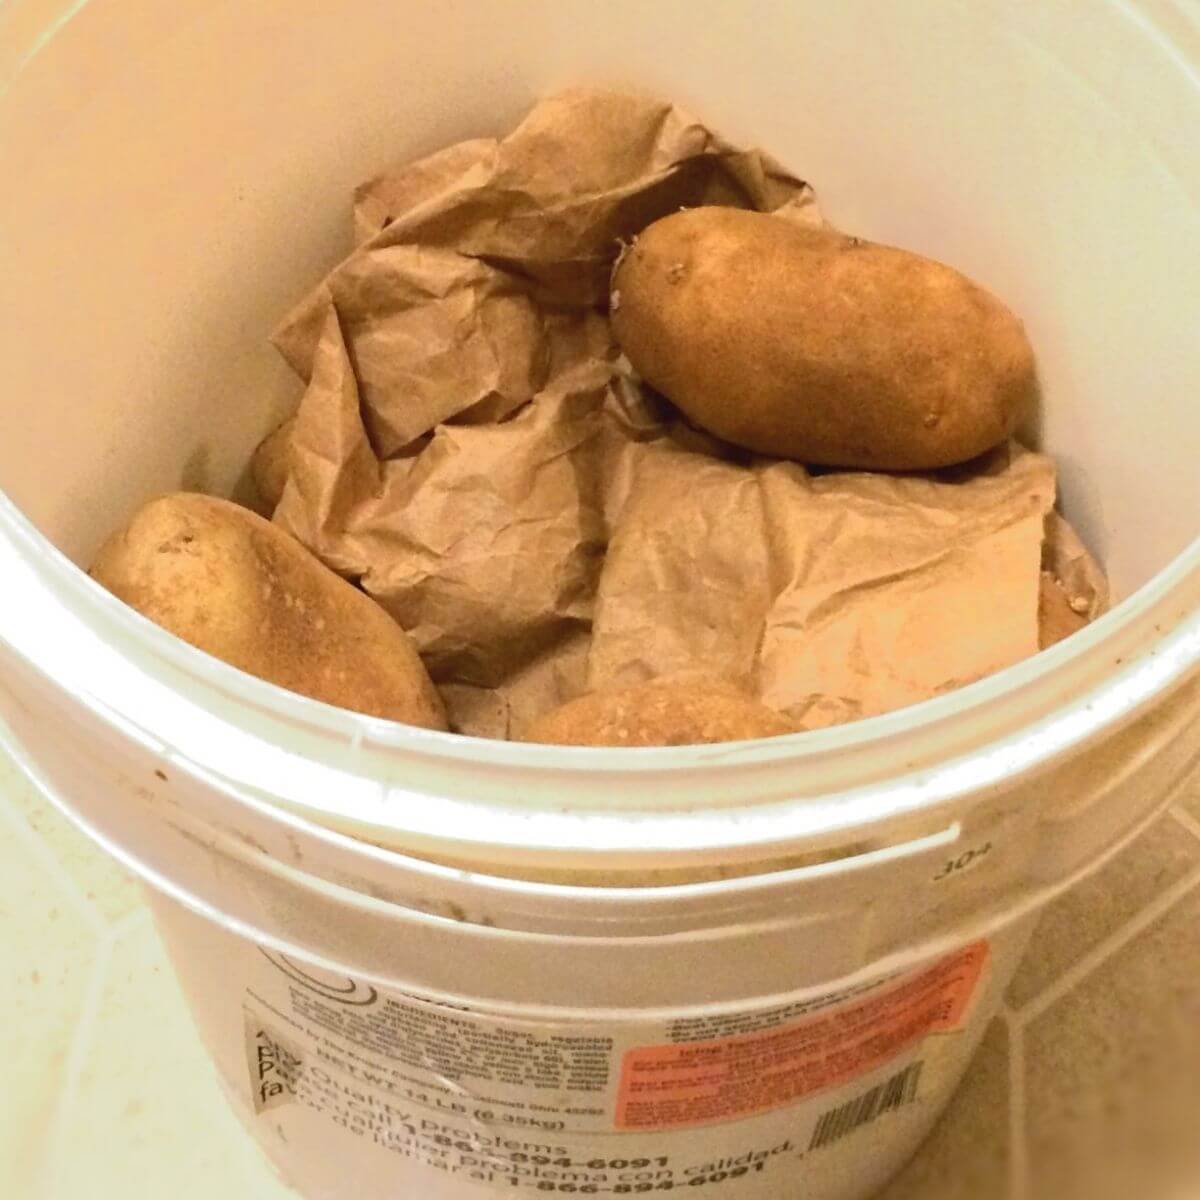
638 802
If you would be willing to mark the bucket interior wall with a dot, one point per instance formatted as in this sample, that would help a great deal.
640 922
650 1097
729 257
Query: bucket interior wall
176 177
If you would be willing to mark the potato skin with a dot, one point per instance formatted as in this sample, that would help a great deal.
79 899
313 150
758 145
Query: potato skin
669 712
271 464
1057 619
807 344
240 588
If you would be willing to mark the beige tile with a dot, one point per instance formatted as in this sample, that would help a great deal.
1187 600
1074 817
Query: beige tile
147 1117
1103 903
47 950
1113 1073
967 1153
106 885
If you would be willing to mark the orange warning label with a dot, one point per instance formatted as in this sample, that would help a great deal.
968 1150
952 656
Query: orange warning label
694 1083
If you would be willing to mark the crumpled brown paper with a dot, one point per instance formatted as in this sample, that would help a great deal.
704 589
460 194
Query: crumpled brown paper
471 448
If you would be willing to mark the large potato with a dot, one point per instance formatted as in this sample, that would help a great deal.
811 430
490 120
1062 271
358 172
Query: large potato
241 589
1059 615
667 712
271 464
803 343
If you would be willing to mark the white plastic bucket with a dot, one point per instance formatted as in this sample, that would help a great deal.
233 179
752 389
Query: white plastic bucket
754 970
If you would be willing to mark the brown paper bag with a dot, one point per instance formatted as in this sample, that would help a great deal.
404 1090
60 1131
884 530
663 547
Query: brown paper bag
471 448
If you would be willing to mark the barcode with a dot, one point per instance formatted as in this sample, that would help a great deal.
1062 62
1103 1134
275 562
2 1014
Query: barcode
885 1097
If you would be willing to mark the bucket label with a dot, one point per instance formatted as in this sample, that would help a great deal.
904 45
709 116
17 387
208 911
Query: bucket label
687 1082
274 1065
728 1101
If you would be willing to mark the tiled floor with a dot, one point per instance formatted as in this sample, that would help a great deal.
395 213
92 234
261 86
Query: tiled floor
1087 1086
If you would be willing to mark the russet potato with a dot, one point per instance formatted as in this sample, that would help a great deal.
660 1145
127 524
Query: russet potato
667 712
271 464
803 343
234 585
1058 618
